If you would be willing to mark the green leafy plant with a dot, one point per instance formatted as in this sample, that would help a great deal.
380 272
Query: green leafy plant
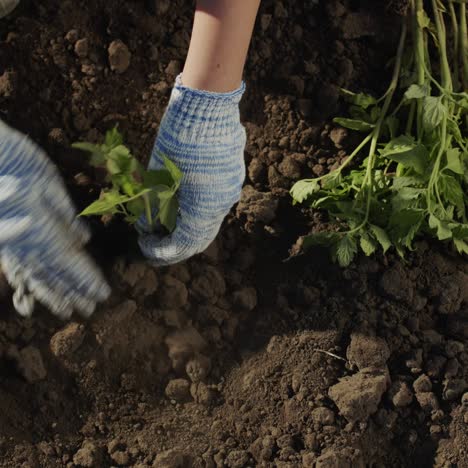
134 191
414 178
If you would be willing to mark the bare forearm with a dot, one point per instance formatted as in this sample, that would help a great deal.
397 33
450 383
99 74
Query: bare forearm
220 40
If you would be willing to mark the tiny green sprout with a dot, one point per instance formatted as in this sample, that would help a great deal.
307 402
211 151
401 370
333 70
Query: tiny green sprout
133 191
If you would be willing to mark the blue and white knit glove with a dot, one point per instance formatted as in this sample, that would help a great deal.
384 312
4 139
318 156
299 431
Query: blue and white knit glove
202 134
41 240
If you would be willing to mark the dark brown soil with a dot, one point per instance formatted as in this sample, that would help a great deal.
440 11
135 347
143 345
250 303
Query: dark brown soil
235 358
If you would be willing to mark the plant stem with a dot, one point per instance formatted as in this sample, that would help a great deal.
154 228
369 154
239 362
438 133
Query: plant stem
368 179
149 217
442 37
412 113
456 39
464 45
417 7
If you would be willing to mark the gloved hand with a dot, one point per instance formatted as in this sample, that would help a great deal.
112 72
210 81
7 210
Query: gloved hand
7 6
202 134
41 239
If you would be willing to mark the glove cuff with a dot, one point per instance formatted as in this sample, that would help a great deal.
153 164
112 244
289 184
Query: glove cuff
196 115
209 98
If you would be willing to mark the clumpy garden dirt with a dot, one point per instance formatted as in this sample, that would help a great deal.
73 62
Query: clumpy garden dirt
235 358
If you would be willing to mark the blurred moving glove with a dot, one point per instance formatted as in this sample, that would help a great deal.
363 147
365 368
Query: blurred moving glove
41 240
202 134
7 6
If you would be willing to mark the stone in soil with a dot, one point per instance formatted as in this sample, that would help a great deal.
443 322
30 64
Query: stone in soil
119 56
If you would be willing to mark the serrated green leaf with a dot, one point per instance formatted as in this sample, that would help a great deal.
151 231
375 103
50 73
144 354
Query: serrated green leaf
451 190
461 246
460 231
407 152
354 124
407 197
381 236
358 99
368 245
404 225
113 138
303 189
434 111
406 181
442 228
346 250
332 180
417 91
453 161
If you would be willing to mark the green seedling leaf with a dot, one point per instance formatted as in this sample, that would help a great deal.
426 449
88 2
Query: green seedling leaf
168 209
304 189
135 191
406 181
332 180
353 124
454 162
124 182
417 92
461 246
97 155
175 172
113 138
360 99
443 230
158 177
461 231
452 191
136 207
381 236
434 111
346 250
368 245
407 197
107 204
404 225
405 151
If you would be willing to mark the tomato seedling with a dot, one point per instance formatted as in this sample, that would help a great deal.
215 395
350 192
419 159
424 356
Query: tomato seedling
134 191
414 178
